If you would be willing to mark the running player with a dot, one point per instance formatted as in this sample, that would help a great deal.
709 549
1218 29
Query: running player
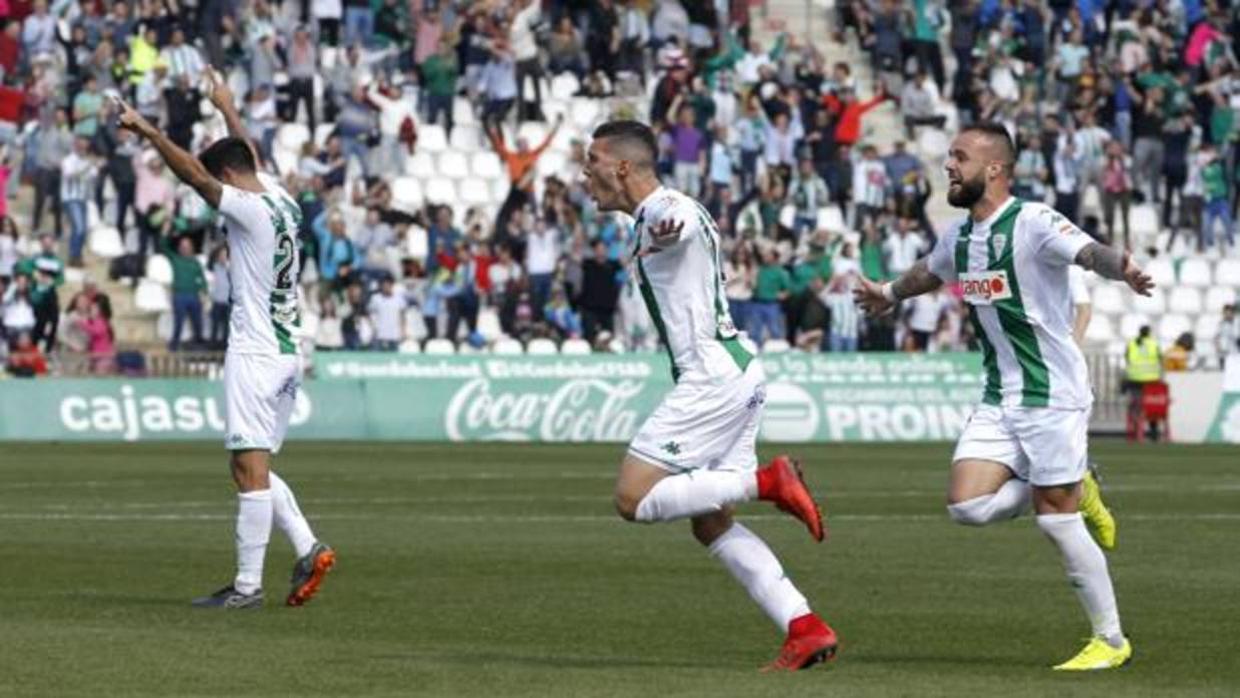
262 367
1011 258
695 456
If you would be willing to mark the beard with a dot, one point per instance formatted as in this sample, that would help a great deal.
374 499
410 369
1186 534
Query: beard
967 193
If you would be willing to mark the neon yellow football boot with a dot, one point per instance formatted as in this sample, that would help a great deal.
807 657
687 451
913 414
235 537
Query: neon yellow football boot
1098 655
1097 516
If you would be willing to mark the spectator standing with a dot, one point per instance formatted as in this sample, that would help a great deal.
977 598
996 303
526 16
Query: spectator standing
771 289
387 309
53 143
188 285
359 21
87 106
303 65
153 200
337 256
439 74
689 148
1148 153
869 186
183 59
499 80
525 50
600 292
1031 172
806 193
919 103
220 293
1214 193
903 249
77 184
26 361
122 149
1116 190
923 315
845 324
520 164
1067 179
464 302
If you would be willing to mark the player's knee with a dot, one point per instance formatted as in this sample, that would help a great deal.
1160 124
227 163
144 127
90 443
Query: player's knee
626 505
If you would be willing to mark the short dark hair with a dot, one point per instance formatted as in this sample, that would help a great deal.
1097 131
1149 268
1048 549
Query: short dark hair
998 132
228 153
632 133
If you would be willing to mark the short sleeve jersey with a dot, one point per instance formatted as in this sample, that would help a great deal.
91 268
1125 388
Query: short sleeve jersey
682 285
262 244
1013 272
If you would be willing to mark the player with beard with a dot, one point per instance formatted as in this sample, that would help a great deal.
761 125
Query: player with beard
1026 441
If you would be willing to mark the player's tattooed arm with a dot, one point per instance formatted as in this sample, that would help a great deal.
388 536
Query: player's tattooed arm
1116 265
879 299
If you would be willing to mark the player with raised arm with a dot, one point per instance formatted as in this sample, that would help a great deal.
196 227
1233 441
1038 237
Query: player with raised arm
694 457
262 367
1011 258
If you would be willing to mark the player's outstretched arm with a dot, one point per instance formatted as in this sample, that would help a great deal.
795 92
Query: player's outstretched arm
221 95
879 299
185 166
1116 265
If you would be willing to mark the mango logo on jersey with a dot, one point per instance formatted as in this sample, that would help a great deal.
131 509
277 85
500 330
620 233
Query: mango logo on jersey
985 287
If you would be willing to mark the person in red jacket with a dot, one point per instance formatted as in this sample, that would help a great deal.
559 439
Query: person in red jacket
848 127
26 360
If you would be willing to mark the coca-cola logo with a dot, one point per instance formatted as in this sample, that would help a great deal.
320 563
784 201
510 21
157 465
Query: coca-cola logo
587 409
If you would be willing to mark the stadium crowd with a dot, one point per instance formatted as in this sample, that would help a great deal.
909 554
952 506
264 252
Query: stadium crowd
1136 101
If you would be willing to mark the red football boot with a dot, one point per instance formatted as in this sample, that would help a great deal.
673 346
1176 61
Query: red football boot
781 482
810 641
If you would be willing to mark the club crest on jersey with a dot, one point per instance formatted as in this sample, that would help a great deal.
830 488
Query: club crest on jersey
997 243
985 287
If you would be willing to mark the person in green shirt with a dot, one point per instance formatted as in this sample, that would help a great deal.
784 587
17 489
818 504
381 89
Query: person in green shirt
439 74
45 259
86 108
188 285
770 290
1214 184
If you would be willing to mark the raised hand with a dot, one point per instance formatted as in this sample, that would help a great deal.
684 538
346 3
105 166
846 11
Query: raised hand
218 91
129 119
869 295
666 233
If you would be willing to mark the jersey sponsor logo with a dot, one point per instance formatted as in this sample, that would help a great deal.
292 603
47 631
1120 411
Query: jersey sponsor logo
986 287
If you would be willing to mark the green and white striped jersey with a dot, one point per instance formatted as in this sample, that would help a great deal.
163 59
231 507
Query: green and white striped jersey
1013 271
263 267
682 285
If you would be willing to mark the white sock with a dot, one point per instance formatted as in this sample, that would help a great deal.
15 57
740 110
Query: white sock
254 512
753 564
288 516
1087 571
694 493
1009 502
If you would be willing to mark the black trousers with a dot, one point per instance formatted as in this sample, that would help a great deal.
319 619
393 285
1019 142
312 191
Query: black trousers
301 90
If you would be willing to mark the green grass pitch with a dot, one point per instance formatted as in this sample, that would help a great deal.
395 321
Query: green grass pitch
500 570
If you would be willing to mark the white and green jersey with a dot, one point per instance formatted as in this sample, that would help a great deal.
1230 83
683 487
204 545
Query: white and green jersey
262 244
682 284
1013 271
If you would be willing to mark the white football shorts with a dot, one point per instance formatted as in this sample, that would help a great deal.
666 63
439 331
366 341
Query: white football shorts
702 424
260 391
1043 446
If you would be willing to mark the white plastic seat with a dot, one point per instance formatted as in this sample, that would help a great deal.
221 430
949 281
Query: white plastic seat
1219 296
932 144
1130 324
1227 272
431 138
1108 299
1206 328
440 191
159 269
499 189
292 136
151 297
552 163
1162 271
564 86
409 346
1153 304
440 346
416 323
467 349
1172 326
575 347
533 132
322 132
1100 330
406 194
584 113
507 346
421 165
106 242
466 138
486 165
830 218
417 242
452 164
1184 300
775 346
1195 272
474 192
541 346
462 113
1144 222
488 324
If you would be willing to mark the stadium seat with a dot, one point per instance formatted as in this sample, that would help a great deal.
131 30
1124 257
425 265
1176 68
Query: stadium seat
1227 273
292 136
285 159
1207 354
552 108
409 346
788 216
1162 271
1153 304
932 144
1184 300
106 242
467 139
1219 296
474 192
832 219
575 347
151 297
1172 326
1108 299
431 138
486 165
564 86
533 132
1143 220
1130 324
507 346
416 243
453 164
1206 328
499 190
467 349
488 324
1195 271
440 191
1100 330
775 346
406 194
421 165
440 346
322 132
159 269
541 346
463 113
585 114
552 163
